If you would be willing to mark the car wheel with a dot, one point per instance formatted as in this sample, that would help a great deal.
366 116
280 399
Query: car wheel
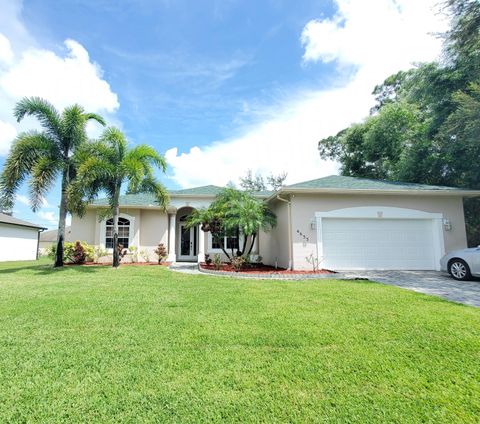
459 270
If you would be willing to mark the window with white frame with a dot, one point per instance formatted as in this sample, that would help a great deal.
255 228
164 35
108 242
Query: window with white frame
231 241
123 232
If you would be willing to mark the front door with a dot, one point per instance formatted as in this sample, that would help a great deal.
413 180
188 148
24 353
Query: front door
186 249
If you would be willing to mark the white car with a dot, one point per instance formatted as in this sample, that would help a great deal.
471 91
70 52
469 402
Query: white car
462 264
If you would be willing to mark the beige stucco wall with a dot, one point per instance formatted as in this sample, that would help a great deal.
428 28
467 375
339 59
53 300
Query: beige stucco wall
83 229
304 207
274 245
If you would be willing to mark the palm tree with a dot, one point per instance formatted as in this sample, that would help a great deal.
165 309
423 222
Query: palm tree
44 155
231 213
105 164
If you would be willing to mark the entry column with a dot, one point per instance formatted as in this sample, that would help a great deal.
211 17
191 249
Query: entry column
172 257
201 245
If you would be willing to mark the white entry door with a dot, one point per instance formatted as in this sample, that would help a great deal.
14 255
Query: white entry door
186 243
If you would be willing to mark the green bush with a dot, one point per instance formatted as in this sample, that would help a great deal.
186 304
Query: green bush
69 251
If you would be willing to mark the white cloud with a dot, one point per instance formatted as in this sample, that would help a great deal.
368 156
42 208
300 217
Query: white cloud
7 134
65 77
26 201
62 80
369 42
50 217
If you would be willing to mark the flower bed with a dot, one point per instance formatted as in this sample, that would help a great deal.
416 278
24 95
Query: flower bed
121 263
262 269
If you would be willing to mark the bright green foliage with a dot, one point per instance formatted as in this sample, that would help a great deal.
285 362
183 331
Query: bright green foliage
106 164
234 211
69 250
144 344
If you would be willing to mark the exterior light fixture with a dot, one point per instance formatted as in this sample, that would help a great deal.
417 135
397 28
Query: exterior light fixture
447 224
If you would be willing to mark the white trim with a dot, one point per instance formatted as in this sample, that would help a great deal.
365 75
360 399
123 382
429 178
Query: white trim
191 256
212 250
385 212
131 232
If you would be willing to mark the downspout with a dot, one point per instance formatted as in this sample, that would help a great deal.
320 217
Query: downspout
289 214
38 242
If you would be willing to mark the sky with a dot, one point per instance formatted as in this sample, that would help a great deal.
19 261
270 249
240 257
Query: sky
217 86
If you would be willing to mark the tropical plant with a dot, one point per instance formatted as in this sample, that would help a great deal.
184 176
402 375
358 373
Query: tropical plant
134 251
237 263
76 252
43 155
217 261
233 212
98 252
314 261
145 255
106 164
161 252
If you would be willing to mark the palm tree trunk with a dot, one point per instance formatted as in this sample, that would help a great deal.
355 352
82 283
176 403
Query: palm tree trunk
116 213
61 220
253 242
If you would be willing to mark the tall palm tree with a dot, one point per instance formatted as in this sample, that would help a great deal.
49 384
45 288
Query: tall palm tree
105 164
44 155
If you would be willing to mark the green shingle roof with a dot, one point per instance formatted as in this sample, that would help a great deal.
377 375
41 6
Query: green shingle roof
354 183
147 199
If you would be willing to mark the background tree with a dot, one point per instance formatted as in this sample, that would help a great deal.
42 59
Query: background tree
44 155
425 126
234 212
258 183
106 164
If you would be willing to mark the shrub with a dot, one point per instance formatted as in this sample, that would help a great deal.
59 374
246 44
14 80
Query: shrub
208 259
314 261
237 262
77 252
99 252
217 261
134 251
161 251
145 255
78 255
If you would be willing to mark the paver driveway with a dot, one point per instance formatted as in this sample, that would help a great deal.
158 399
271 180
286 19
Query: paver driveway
429 282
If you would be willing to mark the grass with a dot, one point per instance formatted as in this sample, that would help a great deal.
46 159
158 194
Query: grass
149 345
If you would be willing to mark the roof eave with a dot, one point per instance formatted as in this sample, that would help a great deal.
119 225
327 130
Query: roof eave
461 193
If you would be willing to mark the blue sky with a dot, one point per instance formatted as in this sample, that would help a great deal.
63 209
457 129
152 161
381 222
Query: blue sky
218 86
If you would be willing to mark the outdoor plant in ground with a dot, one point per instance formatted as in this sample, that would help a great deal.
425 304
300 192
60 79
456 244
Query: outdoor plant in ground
99 252
237 263
145 255
161 252
208 259
78 256
134 251
314 261
217 261
70 249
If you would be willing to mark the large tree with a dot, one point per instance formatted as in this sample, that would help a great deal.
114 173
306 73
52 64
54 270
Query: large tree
44 155
234 212
106 164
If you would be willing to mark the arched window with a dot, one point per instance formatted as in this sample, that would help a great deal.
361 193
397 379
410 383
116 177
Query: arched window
123 232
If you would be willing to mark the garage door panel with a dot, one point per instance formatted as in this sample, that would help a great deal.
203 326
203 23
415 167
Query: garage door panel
378 243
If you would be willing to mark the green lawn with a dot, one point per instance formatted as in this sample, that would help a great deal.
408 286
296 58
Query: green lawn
144 344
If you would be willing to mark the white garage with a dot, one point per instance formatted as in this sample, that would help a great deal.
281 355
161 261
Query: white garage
18 239
382 238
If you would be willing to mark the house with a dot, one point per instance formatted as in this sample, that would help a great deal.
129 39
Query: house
346 222
19 240
48 238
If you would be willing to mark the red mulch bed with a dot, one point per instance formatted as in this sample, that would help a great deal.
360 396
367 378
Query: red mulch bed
121 264
262 269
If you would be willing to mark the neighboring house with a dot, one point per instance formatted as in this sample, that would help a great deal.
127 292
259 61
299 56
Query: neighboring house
47 238
348 223
19 240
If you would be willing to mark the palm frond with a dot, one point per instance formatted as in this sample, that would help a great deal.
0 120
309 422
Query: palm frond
151 185
26 150
44 173
44 111
95 117
148 155
73 127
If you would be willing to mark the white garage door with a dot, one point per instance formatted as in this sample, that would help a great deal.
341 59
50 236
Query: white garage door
359 243
17 243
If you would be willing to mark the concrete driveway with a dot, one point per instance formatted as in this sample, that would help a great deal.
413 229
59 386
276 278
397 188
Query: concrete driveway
428 282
